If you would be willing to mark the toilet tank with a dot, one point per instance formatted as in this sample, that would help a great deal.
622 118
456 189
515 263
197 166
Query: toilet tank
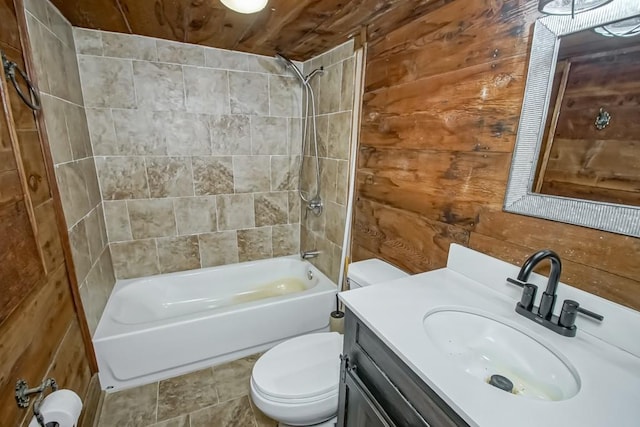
371 272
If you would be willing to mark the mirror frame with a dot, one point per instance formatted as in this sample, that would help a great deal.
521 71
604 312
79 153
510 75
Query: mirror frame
519 198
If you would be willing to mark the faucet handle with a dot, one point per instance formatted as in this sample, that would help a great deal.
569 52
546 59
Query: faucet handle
516 282
570 310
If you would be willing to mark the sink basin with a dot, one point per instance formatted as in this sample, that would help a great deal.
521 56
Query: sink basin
482 346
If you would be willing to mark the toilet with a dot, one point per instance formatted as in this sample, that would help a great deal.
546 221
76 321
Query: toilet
296 382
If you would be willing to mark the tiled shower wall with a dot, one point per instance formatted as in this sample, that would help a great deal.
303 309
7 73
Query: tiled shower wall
334 91
62 105
196 152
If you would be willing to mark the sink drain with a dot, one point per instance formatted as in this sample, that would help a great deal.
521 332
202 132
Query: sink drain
501 382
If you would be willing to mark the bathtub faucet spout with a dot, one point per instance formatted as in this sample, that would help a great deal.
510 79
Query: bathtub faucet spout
309 254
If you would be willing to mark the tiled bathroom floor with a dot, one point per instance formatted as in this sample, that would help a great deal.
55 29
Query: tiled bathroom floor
212 397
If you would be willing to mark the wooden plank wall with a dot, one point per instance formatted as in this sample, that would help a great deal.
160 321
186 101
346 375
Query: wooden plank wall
588 163
39 329
441 107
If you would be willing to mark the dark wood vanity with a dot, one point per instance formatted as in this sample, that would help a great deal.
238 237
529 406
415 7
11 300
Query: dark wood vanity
379 389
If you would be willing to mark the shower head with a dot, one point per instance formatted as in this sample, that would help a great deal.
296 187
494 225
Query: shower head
291 65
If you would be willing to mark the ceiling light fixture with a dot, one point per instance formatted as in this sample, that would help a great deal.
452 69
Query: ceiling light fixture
569 7
626 28
245 6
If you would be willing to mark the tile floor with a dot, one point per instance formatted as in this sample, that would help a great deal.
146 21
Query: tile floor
212 397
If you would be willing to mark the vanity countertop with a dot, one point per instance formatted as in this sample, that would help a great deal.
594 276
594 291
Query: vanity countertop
605 356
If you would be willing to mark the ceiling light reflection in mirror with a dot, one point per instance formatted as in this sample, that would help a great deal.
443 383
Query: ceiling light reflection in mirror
245 6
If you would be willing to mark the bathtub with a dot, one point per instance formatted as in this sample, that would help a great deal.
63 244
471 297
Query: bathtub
158 327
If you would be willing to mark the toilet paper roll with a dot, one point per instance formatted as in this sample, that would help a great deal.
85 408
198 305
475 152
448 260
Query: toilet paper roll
336 322
62 407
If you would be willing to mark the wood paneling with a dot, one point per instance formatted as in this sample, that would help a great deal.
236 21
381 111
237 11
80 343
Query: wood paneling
442 103
300 29
39 326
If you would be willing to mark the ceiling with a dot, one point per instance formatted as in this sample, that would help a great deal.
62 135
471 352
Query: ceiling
300 29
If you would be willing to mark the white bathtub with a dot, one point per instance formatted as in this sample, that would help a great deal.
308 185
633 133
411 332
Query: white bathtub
161 326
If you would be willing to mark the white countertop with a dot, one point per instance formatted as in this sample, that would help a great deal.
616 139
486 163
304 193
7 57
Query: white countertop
609 374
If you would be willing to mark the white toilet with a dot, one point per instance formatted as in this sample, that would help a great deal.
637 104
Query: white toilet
296 382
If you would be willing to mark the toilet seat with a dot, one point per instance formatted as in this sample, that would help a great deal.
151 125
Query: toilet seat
301 370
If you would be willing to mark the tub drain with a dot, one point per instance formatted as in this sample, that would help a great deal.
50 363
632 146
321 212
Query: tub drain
501 382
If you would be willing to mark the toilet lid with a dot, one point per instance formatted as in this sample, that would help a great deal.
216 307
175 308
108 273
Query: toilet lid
300 368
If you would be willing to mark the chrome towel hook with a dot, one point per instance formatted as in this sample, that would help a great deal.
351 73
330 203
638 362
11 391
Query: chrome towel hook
10 68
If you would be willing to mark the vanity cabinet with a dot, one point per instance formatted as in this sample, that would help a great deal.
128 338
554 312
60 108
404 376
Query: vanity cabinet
378 389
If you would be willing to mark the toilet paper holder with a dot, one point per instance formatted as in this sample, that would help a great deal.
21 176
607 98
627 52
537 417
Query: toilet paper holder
23 392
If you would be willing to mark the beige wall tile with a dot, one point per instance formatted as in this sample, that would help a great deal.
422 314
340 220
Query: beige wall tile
107 82
268 135
330 92
151 218
186 134
294 207
122 177
102 131
339 135
342 52
342 182
180 53
59 25
54 64
251 174
218 248
159 87
254 244
91 179
195 215
249 93
225 59
230 134
94 235
134 259
212 175
328 178
169 176
206 90
87 42
335 223
265 64
38 48
294 136
71 78
117 220
139 132
178 253
271 208
285 95
37 8
307 239
53 110
284 173
285 239
128 46
78 131
235 211
73 191
80 250
347 90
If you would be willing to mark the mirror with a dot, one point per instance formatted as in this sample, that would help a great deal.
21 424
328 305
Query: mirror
549 177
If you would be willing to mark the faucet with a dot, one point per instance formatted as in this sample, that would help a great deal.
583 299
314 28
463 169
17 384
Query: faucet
563 324
309 254
548 299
